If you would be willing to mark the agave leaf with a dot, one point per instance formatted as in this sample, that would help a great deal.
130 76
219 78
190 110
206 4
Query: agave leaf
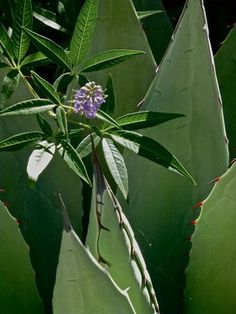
50 49
226 73
144 14
107 59
84 30
110 104
22 18
111 34
40 159
17 285
26 107
211 273
111 241
200 133
84 286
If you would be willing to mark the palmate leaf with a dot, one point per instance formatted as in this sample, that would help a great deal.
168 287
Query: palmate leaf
40 159
144 119
73 160
107 59
101 115
34 59
22 18
116 165
6 42
9 85
150 149
50 49
62 120
46 88
26 107
44 125
85 146
16 142
84 30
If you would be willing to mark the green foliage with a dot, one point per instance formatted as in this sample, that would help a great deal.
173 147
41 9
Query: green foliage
210 276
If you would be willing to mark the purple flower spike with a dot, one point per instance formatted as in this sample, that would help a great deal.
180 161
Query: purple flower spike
88 99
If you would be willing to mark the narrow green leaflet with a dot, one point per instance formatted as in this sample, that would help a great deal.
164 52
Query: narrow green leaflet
22 18
44 125
84 30
61 120
6 42
73 160
16 142
46 88
82 285
85 146
101 115
145 119
63 81
17 285
9 85
39 159
150 149
107 59
143 14
31 106
34 59
109 105
50 49
116 165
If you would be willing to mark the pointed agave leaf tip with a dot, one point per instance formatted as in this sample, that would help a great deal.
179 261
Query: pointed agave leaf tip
199 204
66 221
214 180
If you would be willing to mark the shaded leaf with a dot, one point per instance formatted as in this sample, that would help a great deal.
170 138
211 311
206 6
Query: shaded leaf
22 18
143 14
16 142
26 107
107 59
9 85
62 120
85 146
46 88
83 32
44 125
6 42
109 105
17 276
73 160
50 49
101 115
34 59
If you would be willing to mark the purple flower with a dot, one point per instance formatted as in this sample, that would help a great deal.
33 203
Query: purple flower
88 99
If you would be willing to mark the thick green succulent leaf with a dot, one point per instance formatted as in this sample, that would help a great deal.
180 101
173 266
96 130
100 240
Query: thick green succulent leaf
46 88
17 285
6 42
150 149
158 27
211 273
73 160
17 142
82 285
116 165
197 140
107 59
85 146
111 240
83 32
50 49
37 58
40 159
9 85
62 120
22 18
37 209
26 107
131 79
226 73
144 14
144 119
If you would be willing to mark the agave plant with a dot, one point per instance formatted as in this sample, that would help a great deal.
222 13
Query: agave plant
87 226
